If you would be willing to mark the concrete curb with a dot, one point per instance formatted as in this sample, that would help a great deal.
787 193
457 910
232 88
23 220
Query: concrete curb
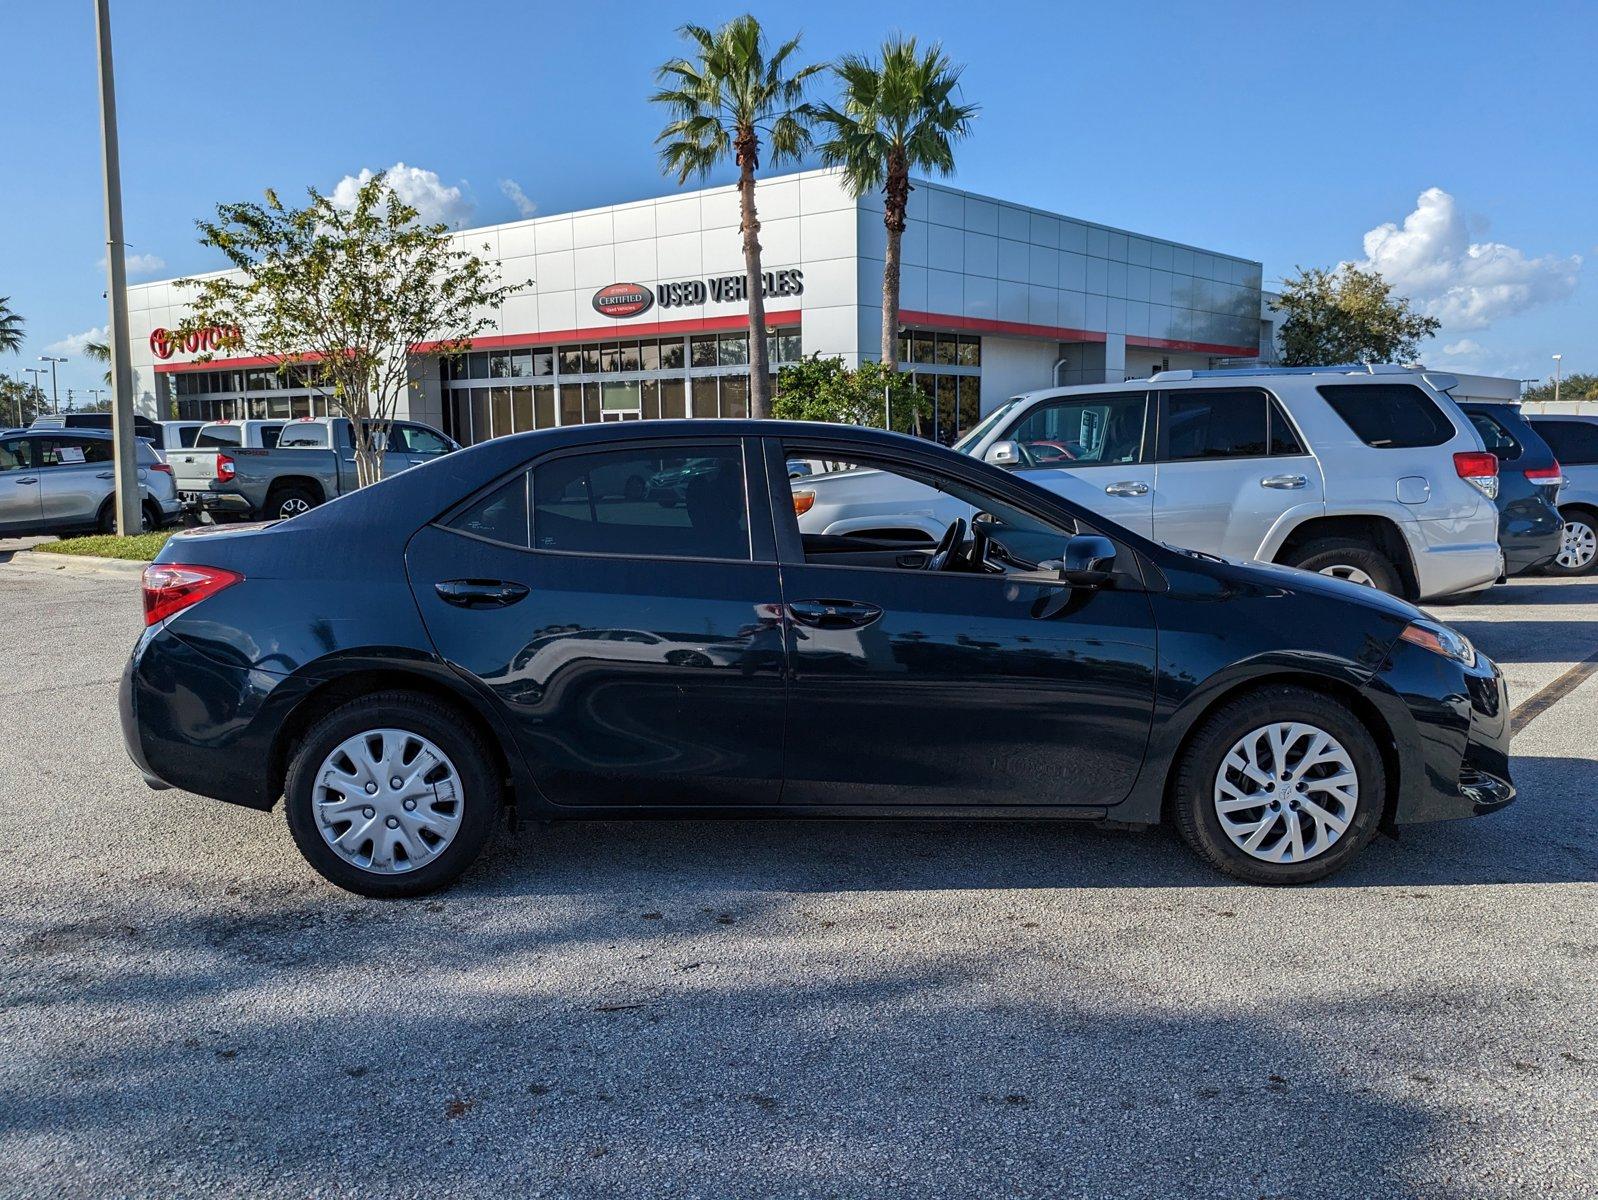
34 562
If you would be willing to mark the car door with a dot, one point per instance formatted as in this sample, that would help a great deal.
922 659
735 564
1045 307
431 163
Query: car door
635 648
1091 449
75 477
1230 465
20 504
918 687
412 445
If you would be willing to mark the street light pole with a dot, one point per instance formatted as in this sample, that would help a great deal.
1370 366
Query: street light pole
1558 362
129 510
35 372
55 397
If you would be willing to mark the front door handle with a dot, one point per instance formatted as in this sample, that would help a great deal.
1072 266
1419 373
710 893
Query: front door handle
29 479
480 593
1287 483
106 475
834 614
1127 487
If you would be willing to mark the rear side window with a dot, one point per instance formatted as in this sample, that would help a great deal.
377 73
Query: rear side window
1574 443
1388 416
682 503
303 436
73 451
217 435
500 516
187 435
1230 423
1494 435
270 435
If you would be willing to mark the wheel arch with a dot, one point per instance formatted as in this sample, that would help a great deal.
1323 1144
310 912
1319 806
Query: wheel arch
1381 531
308 483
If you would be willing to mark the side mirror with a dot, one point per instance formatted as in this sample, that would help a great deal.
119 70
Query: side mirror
1089 560
1003 454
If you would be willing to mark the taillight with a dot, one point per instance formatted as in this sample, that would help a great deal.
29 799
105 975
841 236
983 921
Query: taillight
162 468
169 588
225 468
802 502
1553 476
1479 469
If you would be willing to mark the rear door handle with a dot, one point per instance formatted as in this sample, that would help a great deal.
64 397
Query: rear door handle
480 593
106 475
834 614
1127 487
29 479
1287 483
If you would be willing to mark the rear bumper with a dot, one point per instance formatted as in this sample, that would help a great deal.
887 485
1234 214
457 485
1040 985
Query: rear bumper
1445 570
1530 534
226 503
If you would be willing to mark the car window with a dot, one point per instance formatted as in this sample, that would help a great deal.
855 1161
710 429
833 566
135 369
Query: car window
67 451
417 439
270 435
1083 431
1574 443
1494 435
1284 440
644 502
187 434
309 435
1388 416
1224 423
500 516
217 435
16 454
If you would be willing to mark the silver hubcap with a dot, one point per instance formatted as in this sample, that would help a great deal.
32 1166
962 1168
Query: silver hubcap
387 801
292 507
1352 574
1578 546
1286 793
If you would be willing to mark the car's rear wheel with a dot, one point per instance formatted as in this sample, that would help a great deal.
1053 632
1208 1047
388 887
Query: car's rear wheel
1282 785
1578 546
1350 559
290 502
391 795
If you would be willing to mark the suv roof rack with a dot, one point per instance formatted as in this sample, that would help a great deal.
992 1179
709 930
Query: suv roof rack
1329 369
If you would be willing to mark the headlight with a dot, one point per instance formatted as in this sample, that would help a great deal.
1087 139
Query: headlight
1440 639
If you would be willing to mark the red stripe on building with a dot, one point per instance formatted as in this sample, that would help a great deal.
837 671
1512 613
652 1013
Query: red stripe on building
500 341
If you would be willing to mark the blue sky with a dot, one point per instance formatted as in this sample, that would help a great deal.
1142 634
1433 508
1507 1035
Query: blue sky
1267 130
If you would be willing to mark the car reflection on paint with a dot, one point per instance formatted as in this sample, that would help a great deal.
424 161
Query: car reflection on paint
669 487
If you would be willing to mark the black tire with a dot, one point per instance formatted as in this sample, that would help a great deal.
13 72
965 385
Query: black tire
1583 519
150 517
480 802
291 501
1193 795
1337 555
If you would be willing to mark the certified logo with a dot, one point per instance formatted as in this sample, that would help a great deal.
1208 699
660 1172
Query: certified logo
623 300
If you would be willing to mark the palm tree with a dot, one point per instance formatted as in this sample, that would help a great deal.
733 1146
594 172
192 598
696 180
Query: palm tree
722 102
898 116
100 352
10 328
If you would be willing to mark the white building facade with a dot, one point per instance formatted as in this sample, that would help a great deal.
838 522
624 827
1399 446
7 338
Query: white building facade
637 311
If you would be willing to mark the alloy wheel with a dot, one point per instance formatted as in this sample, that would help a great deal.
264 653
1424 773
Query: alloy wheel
1578 545
1351 573
1286 792
292 507
387 801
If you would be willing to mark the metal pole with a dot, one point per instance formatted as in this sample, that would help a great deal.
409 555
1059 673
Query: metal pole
55 396
129 510
1558 363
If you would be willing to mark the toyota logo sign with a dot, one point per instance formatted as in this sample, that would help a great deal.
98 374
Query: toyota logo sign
619 300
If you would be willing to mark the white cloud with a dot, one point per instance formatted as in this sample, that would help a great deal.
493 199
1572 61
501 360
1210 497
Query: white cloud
72 345
513 192
139 264
422 189
1465 348
1467 285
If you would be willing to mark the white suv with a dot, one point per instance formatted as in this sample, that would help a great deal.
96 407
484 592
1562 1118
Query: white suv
1372 474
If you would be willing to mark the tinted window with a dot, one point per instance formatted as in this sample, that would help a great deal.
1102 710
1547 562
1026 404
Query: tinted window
1083 430
1283 439
1574 442
1388 416
16 454
187 435
1493 434
646 502
308 435
270 435
217 435
500 516
1218 424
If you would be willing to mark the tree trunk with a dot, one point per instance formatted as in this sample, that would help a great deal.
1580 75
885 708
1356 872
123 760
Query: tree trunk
895 204
749 222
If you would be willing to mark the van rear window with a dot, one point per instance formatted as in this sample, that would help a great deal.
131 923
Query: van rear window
1389 416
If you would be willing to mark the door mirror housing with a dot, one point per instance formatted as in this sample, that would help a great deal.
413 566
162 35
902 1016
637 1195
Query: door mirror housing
1003 454
1089 560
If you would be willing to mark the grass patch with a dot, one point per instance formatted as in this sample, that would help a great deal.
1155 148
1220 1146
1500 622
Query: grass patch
139 548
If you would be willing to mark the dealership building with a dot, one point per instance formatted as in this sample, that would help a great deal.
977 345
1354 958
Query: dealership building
638 310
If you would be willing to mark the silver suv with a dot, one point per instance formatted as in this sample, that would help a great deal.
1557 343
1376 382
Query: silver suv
61 481
1372 474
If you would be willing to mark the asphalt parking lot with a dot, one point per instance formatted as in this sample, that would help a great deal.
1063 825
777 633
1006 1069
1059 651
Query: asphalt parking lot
784 1009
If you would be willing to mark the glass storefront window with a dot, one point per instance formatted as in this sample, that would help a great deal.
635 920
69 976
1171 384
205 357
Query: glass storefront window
922 348
478 363
590 402
970 401
649 399
610 359
571 360
947 350
970 351
703 352
543 363
521 409
544 405
671 355
733 350
521 364
501 406
705 397
590 359
948 411
619 397
571 404
673 401
735 395
629 356
649 356
482 427
299 406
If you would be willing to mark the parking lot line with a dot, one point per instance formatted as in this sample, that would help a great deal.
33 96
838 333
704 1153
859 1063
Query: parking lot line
1528 710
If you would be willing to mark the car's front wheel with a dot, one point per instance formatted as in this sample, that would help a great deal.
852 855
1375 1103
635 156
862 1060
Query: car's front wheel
1578 544
391 795
1281 785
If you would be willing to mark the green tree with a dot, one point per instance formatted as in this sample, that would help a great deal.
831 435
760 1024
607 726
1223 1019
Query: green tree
10 328
823 389
898 115
1580 386
100 352
20 402
1347 315
348 294
723 101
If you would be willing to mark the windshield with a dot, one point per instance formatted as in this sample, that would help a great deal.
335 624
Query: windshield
965 444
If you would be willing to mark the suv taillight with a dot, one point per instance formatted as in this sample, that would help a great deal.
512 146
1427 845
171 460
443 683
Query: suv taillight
169 588
1552 476
161 468
1479 469
225 468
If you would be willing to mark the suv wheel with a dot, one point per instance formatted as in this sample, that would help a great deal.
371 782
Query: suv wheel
1282 785
391 795
1578 547
150 517
290 502
1350 559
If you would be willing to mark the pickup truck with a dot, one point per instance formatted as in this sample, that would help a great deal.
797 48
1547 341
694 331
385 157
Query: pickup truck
312 462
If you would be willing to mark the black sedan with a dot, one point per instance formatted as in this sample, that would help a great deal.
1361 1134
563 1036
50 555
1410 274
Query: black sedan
497 633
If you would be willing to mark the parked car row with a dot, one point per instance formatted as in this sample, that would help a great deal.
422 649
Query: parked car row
60 480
